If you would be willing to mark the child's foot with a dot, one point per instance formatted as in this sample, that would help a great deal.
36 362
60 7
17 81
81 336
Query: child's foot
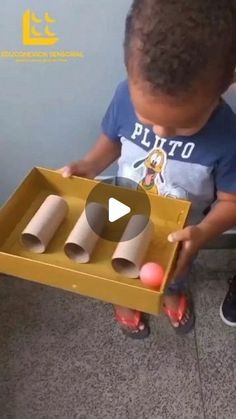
180 311
132 323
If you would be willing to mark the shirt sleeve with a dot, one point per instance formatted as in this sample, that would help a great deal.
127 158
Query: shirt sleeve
225 174
110 122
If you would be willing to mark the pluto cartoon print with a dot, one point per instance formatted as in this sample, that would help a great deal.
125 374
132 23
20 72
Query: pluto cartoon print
189 168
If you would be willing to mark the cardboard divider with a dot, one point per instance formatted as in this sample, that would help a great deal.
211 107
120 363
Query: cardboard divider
44 224
129 254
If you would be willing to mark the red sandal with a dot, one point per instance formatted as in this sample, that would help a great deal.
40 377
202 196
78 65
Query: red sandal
131 326
184 316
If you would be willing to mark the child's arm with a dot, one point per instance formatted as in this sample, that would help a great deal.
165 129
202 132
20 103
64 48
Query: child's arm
221 218
104 153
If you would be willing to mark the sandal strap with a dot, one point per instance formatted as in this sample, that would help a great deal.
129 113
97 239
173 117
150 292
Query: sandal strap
178 315
129 322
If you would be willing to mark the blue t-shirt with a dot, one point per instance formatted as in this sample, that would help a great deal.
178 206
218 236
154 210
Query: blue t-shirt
191 168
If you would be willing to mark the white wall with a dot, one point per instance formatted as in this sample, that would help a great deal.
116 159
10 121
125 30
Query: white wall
50 113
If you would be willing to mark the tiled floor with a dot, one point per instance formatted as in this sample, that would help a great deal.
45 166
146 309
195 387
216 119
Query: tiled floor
62 357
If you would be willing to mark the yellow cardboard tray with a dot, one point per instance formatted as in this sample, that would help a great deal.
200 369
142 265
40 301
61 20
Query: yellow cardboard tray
96 279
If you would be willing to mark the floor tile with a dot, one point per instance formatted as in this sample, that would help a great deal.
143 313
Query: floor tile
62 357
216 347
218 260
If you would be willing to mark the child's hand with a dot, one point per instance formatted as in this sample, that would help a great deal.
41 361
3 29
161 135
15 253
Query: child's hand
192 239
81 168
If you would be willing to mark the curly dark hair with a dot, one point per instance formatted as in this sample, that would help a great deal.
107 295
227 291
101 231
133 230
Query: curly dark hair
172 44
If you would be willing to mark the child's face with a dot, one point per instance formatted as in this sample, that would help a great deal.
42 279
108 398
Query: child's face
171 116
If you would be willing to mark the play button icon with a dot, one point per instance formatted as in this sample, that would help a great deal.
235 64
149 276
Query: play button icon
122 198
117 210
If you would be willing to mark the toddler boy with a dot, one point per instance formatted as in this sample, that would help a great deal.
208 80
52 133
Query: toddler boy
171 130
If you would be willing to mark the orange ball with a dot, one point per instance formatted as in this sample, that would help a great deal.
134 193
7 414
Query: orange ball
152 275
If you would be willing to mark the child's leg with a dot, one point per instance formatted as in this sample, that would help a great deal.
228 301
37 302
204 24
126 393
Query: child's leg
178 305
132 322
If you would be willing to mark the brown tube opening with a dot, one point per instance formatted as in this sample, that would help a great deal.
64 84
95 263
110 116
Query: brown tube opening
77 253
32 243
125 268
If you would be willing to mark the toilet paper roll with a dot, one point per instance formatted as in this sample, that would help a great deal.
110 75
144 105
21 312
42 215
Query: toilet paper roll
82 239
42 227
129 254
